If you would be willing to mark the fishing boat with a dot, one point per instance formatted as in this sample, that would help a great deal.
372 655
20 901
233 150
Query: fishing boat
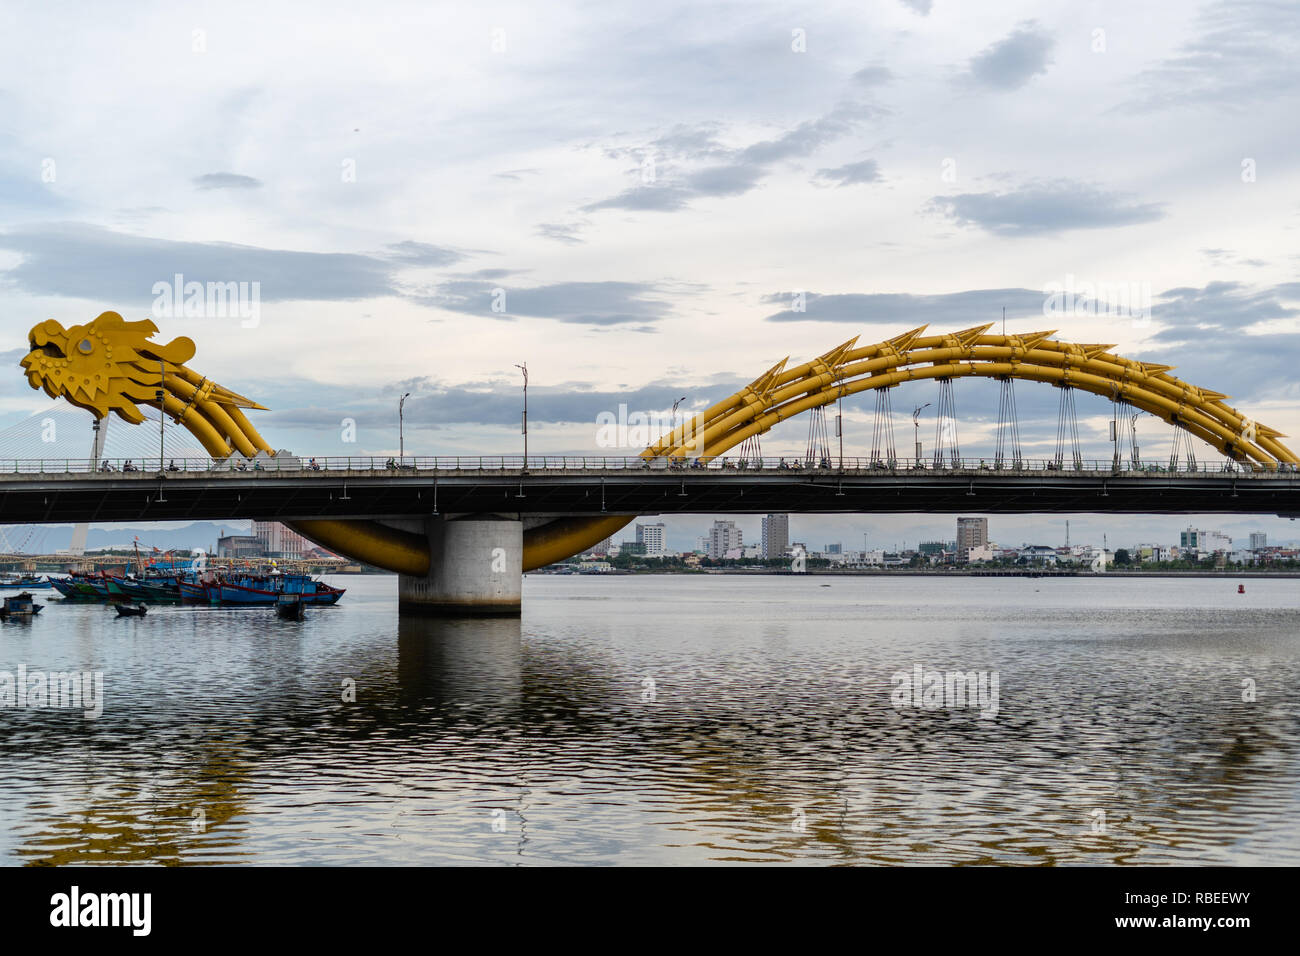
312 590
106 589
19 606
74 588
264 593
152 588
125 609
195 592
290 607
243 589
25 582
159 589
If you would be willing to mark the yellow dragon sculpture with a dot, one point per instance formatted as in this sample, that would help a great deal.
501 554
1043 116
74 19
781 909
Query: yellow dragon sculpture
110 365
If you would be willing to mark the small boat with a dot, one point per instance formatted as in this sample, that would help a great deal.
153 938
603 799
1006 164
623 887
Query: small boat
24 581
290 607
19 606
131 610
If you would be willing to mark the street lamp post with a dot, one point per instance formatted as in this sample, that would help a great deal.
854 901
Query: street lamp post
524 368
839 420
916 428
675 404
401 433
162 420
162 425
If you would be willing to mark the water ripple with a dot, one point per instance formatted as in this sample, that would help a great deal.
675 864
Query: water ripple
672 720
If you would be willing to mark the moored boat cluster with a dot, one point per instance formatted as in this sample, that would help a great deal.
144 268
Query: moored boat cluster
216 587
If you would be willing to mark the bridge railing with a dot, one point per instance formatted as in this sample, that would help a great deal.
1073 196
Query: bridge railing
381 465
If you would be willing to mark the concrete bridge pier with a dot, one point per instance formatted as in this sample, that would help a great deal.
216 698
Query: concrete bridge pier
476 568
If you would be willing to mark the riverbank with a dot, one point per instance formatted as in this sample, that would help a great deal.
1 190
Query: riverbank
922 572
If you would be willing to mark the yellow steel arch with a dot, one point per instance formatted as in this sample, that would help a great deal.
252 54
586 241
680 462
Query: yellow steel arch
781 393
109 365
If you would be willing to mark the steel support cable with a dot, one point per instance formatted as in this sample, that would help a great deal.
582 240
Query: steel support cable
1126 416
1183 448
945 429
819 449
1008 441
1067 431
883 451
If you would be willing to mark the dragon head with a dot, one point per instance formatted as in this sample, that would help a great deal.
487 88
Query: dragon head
106 365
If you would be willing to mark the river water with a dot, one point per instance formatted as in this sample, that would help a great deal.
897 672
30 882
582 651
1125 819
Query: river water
673 719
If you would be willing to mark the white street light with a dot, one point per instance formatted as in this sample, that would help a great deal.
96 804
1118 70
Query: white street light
916 428
401 435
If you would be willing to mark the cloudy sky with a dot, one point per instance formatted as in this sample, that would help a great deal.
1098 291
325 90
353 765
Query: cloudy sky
628 196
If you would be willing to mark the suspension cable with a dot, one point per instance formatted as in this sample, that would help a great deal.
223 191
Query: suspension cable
1182 447
1007 452
1067 430
945 429
883 452
818 452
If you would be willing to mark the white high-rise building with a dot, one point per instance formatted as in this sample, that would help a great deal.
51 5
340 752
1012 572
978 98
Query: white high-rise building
652 536
1204 543
724 536
1258 541
278 541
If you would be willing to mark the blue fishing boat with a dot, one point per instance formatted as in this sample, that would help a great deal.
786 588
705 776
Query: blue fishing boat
195 592
25 582
263 591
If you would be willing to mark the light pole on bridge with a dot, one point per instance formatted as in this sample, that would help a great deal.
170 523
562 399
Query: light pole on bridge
162 428
401 434
916 428
524 368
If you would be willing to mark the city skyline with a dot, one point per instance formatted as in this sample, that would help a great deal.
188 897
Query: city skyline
684 532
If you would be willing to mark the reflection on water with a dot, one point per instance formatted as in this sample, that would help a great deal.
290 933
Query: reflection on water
671 720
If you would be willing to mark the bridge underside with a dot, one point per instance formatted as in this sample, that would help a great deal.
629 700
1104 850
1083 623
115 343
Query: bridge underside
66 498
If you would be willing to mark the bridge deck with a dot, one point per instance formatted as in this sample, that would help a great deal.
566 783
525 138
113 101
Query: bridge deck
70 496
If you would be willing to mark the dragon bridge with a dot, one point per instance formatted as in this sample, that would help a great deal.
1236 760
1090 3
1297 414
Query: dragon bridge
110 365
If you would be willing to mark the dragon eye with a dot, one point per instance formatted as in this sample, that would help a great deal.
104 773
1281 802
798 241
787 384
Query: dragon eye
84 346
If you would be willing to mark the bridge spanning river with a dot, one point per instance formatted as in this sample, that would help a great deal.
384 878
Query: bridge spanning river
374 488
460 532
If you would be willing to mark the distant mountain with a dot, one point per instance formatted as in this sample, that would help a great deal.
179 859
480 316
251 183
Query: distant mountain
47 539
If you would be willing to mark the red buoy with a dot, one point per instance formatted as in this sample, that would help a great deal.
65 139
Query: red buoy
1241 589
